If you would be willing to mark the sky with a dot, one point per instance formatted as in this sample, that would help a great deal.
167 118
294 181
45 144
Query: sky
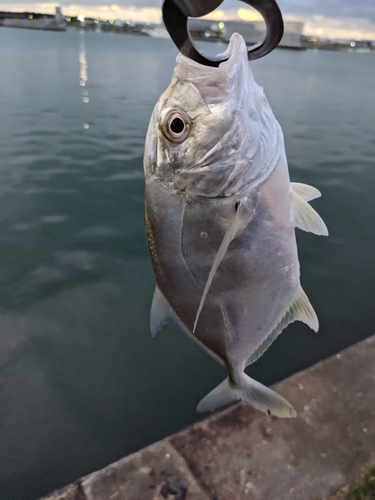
343 19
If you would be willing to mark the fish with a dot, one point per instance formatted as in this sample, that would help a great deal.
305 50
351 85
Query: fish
220 219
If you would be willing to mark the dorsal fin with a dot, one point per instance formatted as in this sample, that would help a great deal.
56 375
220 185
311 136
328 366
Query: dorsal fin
304 216
299 309
305 191
241 219
161 312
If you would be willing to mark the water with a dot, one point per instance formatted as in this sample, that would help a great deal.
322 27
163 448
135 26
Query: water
83 383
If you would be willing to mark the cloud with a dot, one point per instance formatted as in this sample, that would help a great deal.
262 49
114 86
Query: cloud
344 28
89 9
334 9
333 18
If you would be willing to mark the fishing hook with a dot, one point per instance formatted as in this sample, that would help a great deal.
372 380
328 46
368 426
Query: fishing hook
175 17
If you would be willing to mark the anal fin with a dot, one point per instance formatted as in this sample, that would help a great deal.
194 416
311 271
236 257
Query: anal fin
304 216
161 312
299 309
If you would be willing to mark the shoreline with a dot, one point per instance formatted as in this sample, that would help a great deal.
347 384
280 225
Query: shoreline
239 453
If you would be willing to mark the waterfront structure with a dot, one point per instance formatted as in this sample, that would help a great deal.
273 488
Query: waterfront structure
158 32
252 32
30 20
238 453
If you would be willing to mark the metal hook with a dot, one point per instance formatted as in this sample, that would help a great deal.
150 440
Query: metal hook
175 17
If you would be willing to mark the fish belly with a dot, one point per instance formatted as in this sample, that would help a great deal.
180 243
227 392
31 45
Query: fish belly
256 279
182 254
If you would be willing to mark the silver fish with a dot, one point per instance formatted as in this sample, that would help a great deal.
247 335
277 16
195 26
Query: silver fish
220 216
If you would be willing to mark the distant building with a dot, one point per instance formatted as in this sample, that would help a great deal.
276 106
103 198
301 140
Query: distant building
30 20
361 44
252 32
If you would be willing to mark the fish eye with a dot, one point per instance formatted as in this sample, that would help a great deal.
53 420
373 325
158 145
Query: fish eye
176 126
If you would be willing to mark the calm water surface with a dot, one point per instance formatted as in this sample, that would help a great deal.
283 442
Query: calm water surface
83 383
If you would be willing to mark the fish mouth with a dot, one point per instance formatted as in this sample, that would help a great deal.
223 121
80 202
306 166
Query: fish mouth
236 48
214 83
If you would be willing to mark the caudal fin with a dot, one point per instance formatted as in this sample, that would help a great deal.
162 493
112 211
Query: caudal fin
222 395
252 392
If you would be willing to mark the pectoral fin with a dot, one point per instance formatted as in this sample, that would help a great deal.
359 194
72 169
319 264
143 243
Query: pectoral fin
305 191
241 219
304 216
161 312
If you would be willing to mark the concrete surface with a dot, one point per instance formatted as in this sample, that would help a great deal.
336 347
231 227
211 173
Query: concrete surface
241 454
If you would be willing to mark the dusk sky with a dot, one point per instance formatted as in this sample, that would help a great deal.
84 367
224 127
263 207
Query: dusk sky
326 18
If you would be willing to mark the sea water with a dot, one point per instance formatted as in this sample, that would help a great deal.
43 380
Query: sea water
82 381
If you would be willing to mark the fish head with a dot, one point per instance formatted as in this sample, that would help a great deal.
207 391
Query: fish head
207 128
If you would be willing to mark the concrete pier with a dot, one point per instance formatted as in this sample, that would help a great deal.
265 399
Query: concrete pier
241 454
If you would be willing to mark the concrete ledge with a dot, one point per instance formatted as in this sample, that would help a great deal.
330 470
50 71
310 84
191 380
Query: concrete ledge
241 454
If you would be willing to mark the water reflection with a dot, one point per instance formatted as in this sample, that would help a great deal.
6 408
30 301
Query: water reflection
83 63
83 75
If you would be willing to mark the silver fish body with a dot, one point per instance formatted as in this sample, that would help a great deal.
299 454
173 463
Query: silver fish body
220 215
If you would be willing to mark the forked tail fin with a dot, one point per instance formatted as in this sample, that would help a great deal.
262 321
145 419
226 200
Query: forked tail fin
252 392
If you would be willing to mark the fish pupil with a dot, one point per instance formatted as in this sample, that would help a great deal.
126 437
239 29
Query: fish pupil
177 126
